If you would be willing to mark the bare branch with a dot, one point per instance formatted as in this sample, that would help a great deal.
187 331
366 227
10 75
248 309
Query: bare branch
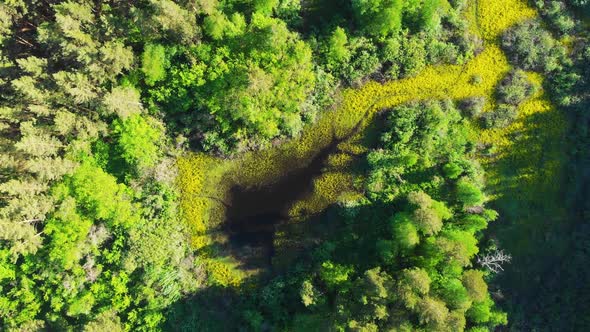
493 261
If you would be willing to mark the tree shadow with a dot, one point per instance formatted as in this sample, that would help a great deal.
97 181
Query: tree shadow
533 215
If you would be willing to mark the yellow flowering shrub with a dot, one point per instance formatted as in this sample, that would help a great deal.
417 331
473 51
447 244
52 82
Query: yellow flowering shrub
223 273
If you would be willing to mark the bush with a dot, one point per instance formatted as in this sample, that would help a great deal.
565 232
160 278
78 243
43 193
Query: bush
514 88
501 117
473 107
476 80
533 48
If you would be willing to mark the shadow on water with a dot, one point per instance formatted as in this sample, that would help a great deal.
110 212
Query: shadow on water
255 212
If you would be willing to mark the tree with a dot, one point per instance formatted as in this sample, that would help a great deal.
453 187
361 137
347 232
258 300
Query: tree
337 47
372 294
174 21
493 261
153 63
429 214
379 17
335 275
475 285
455 295
105 321
421 14
432 311
308 293
137 141
533 48
457 246
122 101
405 234
241 95
412 285
468 193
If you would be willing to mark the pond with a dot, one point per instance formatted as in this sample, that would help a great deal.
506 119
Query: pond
254 213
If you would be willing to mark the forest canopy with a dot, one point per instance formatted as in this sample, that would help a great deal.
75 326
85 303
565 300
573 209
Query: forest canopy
105 105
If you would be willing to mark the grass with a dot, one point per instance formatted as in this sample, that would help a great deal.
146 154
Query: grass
521 175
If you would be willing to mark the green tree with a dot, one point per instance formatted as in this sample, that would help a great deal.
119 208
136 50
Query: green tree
335 275
138 140
154 63
432 311
379 17
475 285
337 47
468 193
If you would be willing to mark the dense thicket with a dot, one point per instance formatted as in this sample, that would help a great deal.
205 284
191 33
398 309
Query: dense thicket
247 80
89 231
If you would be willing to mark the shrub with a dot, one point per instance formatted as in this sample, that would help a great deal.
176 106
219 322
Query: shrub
476 79
514 88
473 107
501 117
533 48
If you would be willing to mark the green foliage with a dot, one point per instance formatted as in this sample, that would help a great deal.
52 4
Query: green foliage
421 14
337 47
468 193
473 107
138 141
421 136
514 89
405 234
456 295
397 259
68 231
90 235
308 294
154 63
452 170
241 95
334 275
432 311
378 17
500 117
475 285
533 48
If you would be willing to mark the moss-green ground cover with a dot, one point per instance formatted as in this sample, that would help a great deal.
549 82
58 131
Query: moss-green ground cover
523 172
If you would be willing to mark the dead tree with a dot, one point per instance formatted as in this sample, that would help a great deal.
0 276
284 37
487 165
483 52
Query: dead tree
494 260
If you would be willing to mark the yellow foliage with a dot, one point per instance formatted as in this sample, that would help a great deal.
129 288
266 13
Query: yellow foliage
495 16
223 273
327 189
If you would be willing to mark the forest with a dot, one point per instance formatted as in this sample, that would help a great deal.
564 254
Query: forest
288 165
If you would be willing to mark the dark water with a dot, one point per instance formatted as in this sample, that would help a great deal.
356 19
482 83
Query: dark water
255 212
